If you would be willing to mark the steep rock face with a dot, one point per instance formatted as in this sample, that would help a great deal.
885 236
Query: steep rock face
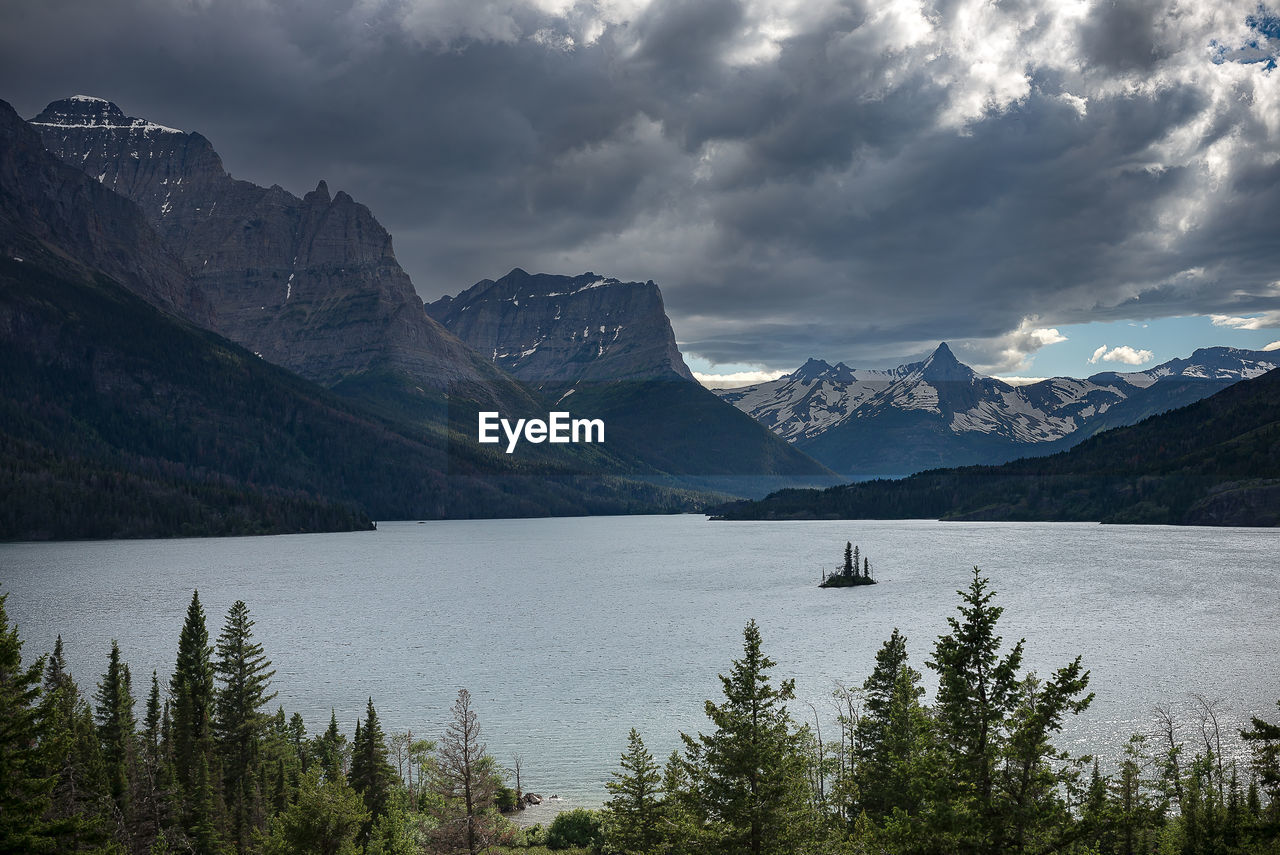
311 284
555 331
609 345
46 201
939 412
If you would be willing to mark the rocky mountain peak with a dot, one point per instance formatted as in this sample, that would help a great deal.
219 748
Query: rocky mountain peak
320 194
87 111
555 331
310 284
47 202
811 370
943 367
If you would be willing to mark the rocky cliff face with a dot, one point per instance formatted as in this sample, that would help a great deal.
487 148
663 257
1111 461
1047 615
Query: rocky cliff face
311 284
45 201
555 331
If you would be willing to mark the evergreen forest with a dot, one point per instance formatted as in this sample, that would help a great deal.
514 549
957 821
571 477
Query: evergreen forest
206 766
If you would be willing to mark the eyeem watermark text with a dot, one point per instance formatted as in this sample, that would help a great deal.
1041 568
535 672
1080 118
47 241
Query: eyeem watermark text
558 427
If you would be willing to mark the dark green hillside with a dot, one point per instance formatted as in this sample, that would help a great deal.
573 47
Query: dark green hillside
117 420
1215 462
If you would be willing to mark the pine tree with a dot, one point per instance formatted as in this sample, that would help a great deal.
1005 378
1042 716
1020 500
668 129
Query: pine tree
995 730
191 687
977 693
850 563
116 725
371 773
1264 738
238 720
635 810
892 737
330 748
55 675
749 774
151 724
81 810
25 785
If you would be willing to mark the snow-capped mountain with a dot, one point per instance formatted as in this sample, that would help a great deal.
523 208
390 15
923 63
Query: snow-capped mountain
811 399
939 412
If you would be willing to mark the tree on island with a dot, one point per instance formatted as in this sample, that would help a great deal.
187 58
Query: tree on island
848 576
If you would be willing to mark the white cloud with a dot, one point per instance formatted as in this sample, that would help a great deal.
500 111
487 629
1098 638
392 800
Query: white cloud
1013 351
1275 345
1123 354
1266 320
736 378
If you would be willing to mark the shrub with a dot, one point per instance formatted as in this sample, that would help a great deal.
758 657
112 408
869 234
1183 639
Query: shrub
578 827
505 799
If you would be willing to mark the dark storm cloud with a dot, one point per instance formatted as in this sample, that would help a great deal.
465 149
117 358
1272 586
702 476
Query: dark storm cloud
839 179
1122 35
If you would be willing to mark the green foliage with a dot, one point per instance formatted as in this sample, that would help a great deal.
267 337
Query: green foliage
330 750
116 727
577 827
25 786
893 739
371 774
325 820
995 730
504 798
633 814
749 773
239 724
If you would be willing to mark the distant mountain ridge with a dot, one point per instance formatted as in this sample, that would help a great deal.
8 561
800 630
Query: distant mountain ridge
1212 462
939 412
310 284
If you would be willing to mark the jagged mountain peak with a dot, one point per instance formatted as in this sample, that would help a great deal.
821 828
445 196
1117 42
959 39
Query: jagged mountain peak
811 370
310 284
320 194
943 367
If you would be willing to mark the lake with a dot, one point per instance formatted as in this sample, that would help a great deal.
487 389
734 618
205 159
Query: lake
568 632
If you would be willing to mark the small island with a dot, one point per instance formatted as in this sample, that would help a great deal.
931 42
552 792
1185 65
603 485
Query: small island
848 576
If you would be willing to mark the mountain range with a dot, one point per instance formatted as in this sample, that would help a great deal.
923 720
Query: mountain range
939 412
1213 462
361 402
374 414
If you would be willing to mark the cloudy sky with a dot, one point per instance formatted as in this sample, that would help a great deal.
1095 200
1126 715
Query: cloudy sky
1054 187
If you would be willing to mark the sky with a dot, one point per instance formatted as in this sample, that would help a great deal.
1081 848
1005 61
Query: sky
1050 186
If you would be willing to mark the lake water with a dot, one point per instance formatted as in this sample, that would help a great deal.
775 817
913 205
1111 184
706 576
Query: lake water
568 632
